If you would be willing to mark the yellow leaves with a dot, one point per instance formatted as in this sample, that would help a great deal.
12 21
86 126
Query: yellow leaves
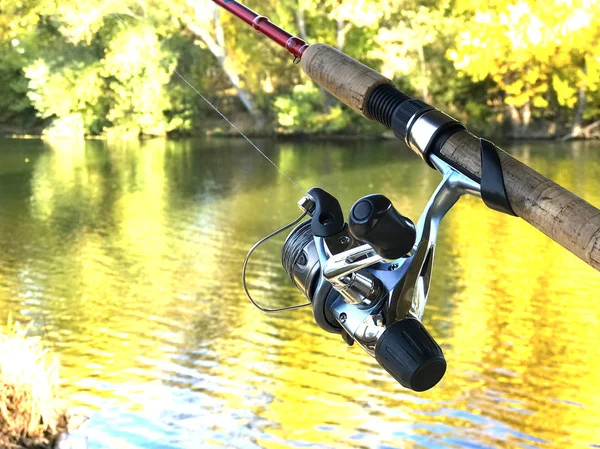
519 10
579 19
529 87
394 54
37 73
80 21
540 102
402 43
361 13
515 88
518 100
534 31
531 76
522 44
565 93
592 77
536 77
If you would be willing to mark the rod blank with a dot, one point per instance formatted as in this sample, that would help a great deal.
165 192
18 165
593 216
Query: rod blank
291 43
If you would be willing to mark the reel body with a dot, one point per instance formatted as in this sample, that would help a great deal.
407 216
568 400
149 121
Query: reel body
368 279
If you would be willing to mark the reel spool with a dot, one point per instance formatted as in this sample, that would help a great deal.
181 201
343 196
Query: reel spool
300 259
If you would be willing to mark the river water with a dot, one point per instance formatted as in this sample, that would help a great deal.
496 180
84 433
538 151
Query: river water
126 257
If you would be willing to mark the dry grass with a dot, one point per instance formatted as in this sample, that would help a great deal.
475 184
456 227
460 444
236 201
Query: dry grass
30 413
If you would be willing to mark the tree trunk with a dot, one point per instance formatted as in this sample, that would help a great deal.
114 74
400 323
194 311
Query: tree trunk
342 28
515 120
520 119
300 20
217 47
581 105
591 131
243 94
526 115
425 74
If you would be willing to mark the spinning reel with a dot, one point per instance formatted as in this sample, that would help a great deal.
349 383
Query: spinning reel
368 279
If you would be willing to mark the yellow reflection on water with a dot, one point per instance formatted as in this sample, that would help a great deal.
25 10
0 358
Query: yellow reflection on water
128 256
524 323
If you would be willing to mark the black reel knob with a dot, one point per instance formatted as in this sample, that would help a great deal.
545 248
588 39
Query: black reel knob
374 220
411 355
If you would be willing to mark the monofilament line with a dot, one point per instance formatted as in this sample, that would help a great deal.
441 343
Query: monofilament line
228 121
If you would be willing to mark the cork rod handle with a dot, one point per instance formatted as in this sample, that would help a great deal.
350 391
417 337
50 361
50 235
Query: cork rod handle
342 76
563 216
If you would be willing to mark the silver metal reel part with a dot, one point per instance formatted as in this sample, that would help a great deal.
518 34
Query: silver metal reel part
364 317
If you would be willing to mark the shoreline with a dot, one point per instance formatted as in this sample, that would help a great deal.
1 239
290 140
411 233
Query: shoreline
537 131
285 137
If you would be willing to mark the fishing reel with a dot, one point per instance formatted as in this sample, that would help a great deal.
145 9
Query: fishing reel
368 278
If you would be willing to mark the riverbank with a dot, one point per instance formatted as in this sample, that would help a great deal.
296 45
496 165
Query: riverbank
496 124
318 137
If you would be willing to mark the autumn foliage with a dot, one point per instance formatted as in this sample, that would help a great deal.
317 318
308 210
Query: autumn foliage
103 67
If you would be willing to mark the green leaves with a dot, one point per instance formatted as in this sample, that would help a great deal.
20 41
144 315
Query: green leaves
137 71
111 78
301 112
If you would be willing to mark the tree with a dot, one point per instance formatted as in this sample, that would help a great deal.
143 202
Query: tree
412 39
533 52
109 66
207 25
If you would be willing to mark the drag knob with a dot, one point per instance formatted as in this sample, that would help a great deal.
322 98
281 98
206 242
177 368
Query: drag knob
411 355
374 220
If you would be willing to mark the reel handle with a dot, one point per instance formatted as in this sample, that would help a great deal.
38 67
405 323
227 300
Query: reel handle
410 354
374 220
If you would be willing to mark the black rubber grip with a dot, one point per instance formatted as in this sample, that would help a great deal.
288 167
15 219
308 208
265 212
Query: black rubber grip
383 101
411 355
393 108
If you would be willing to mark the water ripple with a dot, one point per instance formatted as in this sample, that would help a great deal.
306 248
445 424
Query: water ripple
127 260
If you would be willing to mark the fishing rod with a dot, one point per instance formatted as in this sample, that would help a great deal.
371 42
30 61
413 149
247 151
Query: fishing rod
368 278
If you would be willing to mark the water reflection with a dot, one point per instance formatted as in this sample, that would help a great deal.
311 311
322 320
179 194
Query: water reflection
127 256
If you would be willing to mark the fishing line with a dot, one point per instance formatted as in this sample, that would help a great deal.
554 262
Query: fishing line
288 258
297 220
229 121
